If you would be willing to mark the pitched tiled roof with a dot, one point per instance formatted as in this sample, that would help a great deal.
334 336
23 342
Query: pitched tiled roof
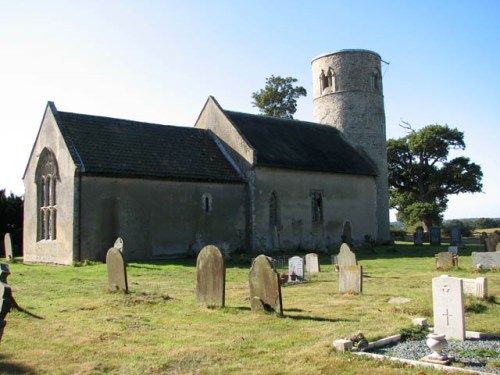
107 146
299 145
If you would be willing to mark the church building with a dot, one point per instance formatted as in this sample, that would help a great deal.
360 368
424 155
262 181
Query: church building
240 181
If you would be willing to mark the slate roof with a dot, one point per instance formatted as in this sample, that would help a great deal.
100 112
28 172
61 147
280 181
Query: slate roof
107 146
302 145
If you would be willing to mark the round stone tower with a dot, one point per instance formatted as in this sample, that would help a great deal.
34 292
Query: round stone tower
347 94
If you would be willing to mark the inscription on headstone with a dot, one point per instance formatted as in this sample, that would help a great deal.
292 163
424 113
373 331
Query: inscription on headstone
346 257
265 289
435 236
210 277
295 269
117 270
312 263
448 307
351 279
7 241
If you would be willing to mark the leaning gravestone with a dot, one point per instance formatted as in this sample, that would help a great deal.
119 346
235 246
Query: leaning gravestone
8 246
351 279
5 297
117 270
312 263
491 241
448 307
296 269
435 236
346 257
445 261
418 237
487 261
265 289
210 277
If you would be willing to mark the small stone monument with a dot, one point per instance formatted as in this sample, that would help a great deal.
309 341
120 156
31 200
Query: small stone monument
448 307
477 287
418 236
312 263
351 279
446 260
435 236
491 241
346 257
453 250
117 270
210 277
296 269
5 296
7 241
487 261
265 289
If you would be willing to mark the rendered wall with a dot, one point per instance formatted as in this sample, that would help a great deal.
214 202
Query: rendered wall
61 250
345 198
159 218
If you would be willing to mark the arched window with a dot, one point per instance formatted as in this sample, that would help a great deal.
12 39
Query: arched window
206 202
328 81
317 207
323 81
274 220
46 177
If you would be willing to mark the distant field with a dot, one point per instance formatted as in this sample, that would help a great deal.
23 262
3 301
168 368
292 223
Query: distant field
489 230
158 329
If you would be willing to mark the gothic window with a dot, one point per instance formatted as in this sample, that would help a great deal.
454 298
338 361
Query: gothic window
46 176
273 212
328 81
323 81
317 207
206 202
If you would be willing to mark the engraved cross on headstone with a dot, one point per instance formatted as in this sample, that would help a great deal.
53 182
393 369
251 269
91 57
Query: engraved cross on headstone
447 317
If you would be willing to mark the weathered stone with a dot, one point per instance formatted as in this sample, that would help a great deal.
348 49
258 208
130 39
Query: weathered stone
117 270
7 241
210 277
342 345
448 307
312 263
420 322
435 236
265 286
477 287
351 279
295 269
346 257
418 237
446 260
487 261
119 244
491 241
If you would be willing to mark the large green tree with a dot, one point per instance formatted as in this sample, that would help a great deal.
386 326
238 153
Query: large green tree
421 177
279 97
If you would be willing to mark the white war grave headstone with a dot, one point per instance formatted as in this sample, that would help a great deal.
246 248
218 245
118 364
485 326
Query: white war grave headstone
312 263
448 307
296 269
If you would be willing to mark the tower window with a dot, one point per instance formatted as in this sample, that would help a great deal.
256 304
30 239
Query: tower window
274 212
375 82
328 81
46 180
206 202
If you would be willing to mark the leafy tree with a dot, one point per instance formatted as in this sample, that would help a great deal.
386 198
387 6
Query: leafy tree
11 220
465 228
485 223
421 177
279 97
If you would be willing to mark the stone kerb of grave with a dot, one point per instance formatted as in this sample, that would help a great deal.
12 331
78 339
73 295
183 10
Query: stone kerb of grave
8 246
265 289
312 263
448 307
210 277
446 260
351 279
117 270
486 260
346 257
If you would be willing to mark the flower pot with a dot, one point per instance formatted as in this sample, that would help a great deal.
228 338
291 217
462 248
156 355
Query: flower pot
437 342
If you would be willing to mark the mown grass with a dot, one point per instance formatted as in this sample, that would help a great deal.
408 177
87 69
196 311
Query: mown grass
157 327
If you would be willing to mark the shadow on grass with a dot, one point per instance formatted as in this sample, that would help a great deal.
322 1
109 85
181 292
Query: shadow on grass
315 318
7 367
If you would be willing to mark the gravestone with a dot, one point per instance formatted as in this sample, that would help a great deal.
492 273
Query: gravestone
435 236
210 277
351 279
296 269
335 263
477 287
455 236
448 307
265 289
8 246
487 261
5 297
491 241
119 244
312 263
418 236
445 261
117 270
453 250
346 257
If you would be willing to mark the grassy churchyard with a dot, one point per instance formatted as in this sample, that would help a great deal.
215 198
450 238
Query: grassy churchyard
157 328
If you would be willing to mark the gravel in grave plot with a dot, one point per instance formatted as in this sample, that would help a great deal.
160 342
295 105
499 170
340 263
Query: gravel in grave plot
416 350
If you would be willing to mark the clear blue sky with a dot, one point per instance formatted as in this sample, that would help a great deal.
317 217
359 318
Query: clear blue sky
158 61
